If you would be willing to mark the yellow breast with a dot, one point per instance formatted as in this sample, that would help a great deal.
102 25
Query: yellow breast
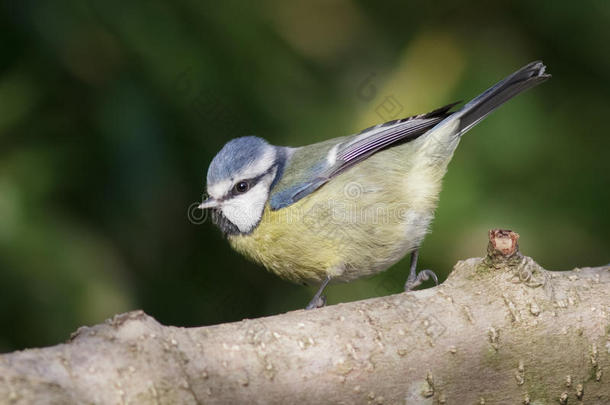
358 224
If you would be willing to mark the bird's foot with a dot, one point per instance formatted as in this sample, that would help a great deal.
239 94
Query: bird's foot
415 281
318 301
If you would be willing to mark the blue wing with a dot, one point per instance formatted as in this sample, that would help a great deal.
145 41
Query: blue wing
333 157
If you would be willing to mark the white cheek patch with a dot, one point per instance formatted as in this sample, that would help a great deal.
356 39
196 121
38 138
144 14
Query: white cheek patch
246 210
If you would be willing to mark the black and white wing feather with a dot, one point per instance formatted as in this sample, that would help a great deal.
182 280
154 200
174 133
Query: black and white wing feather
379 137
349 152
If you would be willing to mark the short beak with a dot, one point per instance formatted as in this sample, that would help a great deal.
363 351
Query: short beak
209 203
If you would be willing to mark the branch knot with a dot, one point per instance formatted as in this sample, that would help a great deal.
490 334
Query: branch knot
503 249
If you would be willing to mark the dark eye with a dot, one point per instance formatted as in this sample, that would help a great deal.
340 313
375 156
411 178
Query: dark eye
241 187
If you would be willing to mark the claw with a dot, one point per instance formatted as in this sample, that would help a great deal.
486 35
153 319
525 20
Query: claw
317 302
416 279
424 275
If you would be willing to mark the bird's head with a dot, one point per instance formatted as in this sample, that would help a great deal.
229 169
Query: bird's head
239 181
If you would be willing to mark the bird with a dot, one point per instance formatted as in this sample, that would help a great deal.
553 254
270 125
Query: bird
351 206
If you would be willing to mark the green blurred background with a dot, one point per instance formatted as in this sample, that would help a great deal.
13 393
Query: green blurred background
110 112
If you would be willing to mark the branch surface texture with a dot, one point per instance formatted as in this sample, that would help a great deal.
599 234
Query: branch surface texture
499 330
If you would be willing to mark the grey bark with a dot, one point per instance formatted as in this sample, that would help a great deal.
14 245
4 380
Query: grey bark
499 330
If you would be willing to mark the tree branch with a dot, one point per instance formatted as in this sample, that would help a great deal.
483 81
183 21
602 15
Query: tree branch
500 330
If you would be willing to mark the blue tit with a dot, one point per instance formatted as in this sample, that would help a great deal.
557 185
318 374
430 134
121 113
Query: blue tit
348 207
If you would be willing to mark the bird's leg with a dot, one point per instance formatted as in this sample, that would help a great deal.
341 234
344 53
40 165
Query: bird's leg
415 279
319 300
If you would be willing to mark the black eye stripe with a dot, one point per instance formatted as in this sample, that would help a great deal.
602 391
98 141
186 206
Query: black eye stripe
251 183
